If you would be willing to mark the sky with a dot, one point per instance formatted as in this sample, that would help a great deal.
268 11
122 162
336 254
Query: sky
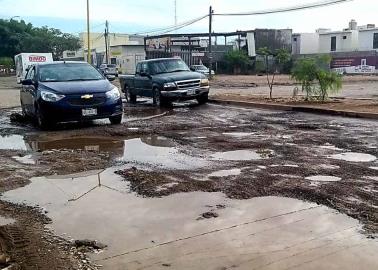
131 16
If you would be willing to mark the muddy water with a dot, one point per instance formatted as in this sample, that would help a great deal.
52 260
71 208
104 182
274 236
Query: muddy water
238 155
260 233
323 178
160 152
354 157
13 142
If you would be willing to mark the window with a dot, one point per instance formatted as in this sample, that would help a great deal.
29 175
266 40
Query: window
344 37
295 39
333 44
31 74
375 41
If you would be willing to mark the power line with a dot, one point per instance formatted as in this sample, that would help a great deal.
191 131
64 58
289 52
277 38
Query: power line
287 9
173 27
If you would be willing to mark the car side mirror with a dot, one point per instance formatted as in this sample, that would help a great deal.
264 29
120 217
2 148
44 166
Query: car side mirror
27 82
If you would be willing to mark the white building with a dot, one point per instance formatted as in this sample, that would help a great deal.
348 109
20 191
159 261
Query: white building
368 39
338 41
305 43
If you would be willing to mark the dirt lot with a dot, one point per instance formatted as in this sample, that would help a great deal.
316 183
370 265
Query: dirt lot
242 153
182 168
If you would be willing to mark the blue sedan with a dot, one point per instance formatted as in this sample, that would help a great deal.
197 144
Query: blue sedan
69 91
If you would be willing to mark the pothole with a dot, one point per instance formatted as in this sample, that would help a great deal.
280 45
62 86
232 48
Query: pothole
323 178
225 173
354 157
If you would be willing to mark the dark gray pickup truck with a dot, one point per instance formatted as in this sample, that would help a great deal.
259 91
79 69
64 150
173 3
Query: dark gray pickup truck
165 80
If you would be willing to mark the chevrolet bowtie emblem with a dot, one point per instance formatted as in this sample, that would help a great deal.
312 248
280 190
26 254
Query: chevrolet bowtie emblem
87 96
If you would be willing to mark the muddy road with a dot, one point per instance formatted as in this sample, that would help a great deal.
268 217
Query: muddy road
191 187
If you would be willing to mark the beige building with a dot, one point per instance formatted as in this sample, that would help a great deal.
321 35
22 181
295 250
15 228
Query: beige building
97 40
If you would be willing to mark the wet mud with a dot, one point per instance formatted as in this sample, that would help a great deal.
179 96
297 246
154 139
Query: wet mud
241 153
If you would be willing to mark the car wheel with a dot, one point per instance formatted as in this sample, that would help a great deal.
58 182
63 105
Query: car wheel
204 98
130 97
42 122
116 120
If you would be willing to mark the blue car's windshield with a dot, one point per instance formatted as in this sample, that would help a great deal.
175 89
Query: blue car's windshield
66 72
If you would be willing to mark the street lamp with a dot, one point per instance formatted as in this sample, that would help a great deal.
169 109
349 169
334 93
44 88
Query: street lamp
88 36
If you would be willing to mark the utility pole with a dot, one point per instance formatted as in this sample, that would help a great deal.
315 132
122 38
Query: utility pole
88 36
107 42
211 11
175 12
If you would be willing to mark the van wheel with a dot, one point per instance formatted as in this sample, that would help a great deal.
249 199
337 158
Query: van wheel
116 120
130 97
204 98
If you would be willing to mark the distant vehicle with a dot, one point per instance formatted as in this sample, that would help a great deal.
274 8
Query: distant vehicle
109 71
69 91
201 69
24 60
165 80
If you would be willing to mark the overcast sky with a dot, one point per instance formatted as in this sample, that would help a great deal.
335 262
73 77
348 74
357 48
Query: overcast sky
131 16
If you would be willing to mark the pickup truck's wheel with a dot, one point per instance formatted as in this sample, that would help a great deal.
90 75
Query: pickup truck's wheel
130 97
157 97
204 98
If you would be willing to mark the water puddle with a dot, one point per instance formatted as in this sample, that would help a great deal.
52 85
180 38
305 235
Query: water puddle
144 232
28 159
95 144
330 147
329 167
13 142
239 134
354 157
374 178
160 152
323 178
374 168
6 221
225 173
238 155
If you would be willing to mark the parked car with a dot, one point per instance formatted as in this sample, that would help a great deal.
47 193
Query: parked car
69 91
201 69
165 80
109 71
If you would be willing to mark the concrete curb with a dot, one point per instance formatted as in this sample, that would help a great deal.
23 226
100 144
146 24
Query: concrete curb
296 108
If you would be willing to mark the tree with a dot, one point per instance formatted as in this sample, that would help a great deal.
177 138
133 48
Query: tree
280 58
17 37
237 59
309 71
7 62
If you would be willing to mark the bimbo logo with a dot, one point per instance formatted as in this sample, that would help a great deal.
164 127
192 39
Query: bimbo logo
36 58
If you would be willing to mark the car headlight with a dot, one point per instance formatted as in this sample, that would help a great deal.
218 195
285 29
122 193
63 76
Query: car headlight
205 82
51 97
113 94
170 85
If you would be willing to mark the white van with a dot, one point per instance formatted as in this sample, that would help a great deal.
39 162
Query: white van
24 60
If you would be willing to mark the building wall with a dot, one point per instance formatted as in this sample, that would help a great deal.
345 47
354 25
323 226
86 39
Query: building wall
126 57
98 40
309 43
365 39
342 45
